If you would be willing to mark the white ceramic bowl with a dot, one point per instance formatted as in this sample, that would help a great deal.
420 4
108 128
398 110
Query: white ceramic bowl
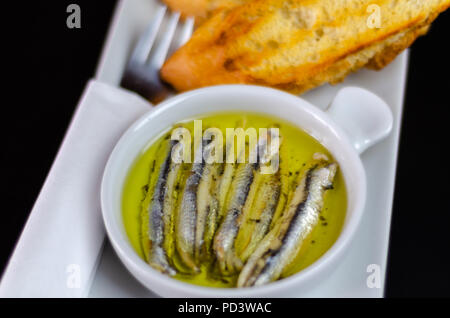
355 120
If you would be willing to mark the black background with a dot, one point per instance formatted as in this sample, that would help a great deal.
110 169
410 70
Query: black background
51 65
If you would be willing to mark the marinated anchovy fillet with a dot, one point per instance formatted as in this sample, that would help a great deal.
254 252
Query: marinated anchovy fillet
280 246
228 172
223 175
212 220
207 211
270 203
228 230
225 182
262 213
241 194
160 212
193 212
284 176
170 193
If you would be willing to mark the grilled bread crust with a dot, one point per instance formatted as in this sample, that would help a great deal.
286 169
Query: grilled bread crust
201 9
296 45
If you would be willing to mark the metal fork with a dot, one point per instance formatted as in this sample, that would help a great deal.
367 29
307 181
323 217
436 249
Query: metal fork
161 38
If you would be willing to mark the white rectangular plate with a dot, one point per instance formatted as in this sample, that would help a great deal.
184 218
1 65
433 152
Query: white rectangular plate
370 244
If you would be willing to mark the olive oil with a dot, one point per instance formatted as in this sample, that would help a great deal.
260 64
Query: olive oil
297 149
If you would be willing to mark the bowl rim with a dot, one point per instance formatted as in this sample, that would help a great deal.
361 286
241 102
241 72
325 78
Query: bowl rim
145 273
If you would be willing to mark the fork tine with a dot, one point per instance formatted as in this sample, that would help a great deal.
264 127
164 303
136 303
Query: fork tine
186 32
145 43
157 59
141 75
183 34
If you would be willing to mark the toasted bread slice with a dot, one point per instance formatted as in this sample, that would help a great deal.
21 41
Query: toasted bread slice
201 9
296 45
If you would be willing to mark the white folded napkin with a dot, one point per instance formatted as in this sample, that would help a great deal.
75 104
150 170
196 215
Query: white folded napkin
59 248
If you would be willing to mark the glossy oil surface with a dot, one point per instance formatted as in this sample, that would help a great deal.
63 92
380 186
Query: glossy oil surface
296 151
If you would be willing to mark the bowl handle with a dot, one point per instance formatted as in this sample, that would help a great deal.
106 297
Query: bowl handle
364 116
